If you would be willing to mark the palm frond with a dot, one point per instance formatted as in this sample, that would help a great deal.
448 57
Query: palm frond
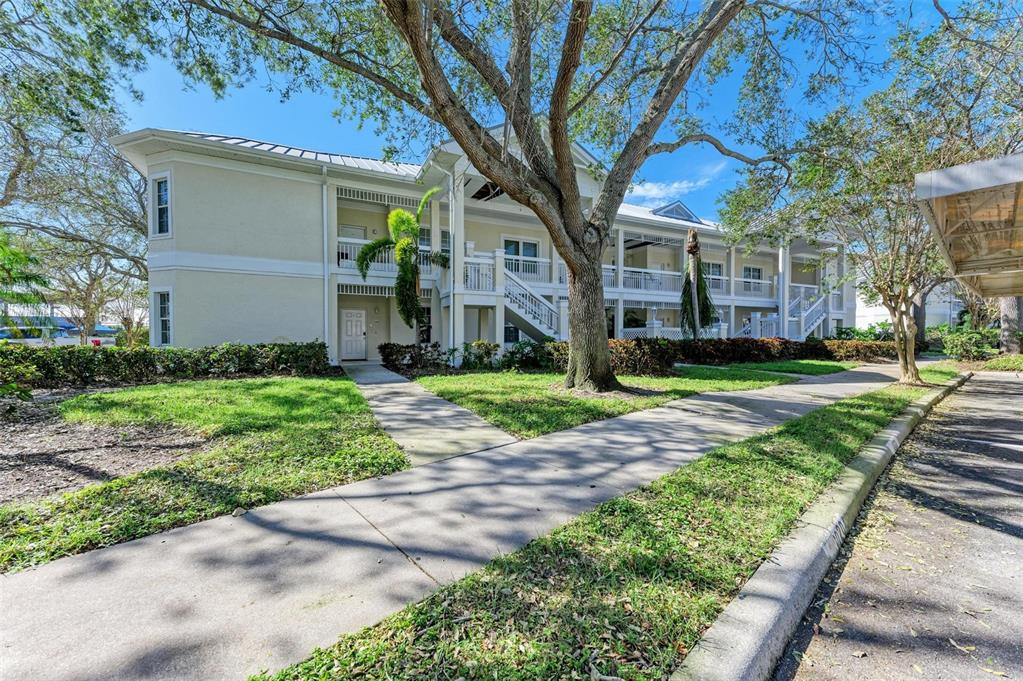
369 252
424 202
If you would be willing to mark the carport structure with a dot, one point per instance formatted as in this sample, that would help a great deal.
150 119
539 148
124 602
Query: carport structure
975 211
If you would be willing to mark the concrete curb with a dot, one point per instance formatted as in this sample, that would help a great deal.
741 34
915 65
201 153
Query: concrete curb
749 636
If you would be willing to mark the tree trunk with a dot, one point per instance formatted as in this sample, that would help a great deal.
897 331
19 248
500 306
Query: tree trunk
589 363
693 249
905 345
920 317
1012 310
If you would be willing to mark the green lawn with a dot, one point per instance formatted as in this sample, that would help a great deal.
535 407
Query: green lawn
528 405
1004 363
811 367
628 587
273 438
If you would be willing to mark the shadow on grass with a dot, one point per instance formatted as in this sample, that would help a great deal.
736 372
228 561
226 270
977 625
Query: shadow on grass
629 587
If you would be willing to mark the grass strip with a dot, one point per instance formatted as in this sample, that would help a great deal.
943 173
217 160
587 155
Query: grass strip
273 438
528 405
628 588
809 367
1004 363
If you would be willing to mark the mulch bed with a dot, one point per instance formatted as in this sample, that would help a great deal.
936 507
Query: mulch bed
41 454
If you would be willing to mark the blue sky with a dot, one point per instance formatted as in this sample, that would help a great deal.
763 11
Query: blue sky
697 175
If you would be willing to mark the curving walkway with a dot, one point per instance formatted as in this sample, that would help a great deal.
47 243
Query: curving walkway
427 427
231 596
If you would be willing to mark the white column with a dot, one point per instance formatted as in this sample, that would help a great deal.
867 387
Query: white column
456 219
619 258
731 278
563 319
435 225
554 264
731 318
784 282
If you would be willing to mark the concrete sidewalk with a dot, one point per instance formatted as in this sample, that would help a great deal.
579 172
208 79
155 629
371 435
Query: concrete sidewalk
231 596
427 427
932 584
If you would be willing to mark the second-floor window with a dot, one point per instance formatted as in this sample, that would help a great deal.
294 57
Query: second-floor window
445 241
713 269
425 240
517 247
161 205
752 277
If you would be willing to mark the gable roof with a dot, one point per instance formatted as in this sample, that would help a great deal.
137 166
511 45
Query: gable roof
676 210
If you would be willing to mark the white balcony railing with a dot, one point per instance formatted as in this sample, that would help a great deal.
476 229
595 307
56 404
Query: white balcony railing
717 284
807 293
652 280
479 274
348 251
754 288
608 274
528 269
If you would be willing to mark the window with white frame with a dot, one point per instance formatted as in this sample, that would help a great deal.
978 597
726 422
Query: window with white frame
425 239
752 278
161 206
445 241
163 317
715 271
522 247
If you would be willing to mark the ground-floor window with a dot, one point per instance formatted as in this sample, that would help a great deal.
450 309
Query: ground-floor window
163 316
511 334
426 326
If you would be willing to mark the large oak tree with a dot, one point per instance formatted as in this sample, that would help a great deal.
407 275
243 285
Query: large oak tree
629 80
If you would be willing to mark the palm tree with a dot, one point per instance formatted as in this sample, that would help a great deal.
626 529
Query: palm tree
697 305
19 282
403 237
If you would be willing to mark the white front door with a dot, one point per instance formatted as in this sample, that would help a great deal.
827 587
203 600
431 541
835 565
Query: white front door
353 334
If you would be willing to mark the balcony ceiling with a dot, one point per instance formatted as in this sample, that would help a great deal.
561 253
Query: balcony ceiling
976 213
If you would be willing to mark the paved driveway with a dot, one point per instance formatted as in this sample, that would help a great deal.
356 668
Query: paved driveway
933 584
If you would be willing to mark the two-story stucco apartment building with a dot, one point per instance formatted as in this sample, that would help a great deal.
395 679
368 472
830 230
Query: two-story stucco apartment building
255 242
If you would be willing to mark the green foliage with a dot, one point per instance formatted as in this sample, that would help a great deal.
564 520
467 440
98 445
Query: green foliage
413 360
971 344
272 438
71 366
528 355
1004 363
881 331
403 239
479 354
628 587
20 280
16 378
532 404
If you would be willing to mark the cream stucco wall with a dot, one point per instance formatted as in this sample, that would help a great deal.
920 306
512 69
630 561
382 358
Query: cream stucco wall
209 308
226 211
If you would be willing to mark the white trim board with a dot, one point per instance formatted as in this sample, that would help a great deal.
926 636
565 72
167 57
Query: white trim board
236 264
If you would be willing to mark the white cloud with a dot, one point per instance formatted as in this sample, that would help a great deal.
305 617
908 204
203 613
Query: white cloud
653 194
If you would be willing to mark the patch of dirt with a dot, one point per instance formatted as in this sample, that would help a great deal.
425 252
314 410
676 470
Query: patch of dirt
41 454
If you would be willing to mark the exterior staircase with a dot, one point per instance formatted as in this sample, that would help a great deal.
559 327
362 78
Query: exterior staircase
806 316
528 310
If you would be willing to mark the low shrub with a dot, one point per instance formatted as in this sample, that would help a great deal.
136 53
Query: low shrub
528 355
75 365
971 344
652 356
413 360
479 354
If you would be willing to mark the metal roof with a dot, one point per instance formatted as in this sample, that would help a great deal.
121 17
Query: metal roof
976 213
409 170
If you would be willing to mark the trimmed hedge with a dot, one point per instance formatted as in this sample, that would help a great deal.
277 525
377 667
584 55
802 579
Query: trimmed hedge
648 356
73 365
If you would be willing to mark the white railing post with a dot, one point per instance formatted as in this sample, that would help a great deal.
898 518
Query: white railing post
722 330
653 328
755 324
563 319
499 273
